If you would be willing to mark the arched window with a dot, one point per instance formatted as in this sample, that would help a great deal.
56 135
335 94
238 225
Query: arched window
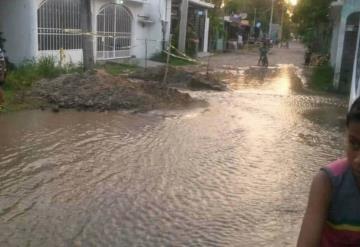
114 32
59 25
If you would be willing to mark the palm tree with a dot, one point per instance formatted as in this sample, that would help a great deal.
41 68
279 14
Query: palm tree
86 26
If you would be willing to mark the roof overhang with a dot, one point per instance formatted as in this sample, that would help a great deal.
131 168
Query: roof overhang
202 4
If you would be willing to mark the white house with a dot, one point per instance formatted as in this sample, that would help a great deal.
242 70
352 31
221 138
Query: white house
345 15
121 28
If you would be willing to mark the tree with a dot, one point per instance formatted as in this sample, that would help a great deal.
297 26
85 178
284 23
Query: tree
217 3
86 27
314 27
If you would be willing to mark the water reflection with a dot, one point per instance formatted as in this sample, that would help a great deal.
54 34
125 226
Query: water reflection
234 174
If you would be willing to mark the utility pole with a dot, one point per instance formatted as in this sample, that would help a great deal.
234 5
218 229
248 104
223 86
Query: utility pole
282 24
271 17
255 17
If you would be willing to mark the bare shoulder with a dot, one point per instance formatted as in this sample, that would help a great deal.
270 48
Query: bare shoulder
321 181
316 212
320 192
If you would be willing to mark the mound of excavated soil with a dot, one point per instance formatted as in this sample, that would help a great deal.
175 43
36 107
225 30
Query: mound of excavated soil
101 91
192 80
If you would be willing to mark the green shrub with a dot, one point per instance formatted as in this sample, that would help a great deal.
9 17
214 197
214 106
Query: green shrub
31 70
322 77
47 68
23 76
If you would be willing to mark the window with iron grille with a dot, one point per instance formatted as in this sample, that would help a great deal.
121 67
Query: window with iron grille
59 25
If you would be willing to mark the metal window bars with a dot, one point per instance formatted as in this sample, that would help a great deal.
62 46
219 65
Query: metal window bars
59 25
114 32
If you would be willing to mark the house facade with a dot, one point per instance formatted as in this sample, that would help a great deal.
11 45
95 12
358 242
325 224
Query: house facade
120 28
345 15
191 17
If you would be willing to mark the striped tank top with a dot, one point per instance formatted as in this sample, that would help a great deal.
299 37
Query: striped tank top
342 227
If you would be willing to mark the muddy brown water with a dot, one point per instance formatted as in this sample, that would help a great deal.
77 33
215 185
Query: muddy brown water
236 173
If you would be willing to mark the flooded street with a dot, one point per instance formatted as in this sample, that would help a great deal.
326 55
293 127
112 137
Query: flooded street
235 173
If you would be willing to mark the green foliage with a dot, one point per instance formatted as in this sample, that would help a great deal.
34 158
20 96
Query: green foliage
217 3
216 29
314 27
217 24
30 71
233 6
322 77
20 79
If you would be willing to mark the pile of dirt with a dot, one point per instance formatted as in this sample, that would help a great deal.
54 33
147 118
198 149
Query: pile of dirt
207 82
101 91
184 78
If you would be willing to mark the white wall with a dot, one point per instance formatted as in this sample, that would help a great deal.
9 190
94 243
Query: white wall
156 10
18 22
69 57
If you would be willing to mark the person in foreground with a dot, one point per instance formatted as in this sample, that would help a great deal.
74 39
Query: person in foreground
332 217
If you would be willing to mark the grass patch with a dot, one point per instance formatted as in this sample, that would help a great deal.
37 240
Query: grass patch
118 68
322 78
30 71
174 61
17 101
20 80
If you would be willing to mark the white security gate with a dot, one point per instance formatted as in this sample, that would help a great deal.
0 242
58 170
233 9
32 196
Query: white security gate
114 26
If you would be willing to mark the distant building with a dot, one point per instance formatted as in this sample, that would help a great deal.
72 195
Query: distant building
190 16
35 28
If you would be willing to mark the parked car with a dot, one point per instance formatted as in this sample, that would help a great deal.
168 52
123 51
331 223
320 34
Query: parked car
2 66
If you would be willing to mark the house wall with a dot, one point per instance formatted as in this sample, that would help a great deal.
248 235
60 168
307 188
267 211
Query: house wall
349 7
156 10
159 11
348 56
334 42
18 22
